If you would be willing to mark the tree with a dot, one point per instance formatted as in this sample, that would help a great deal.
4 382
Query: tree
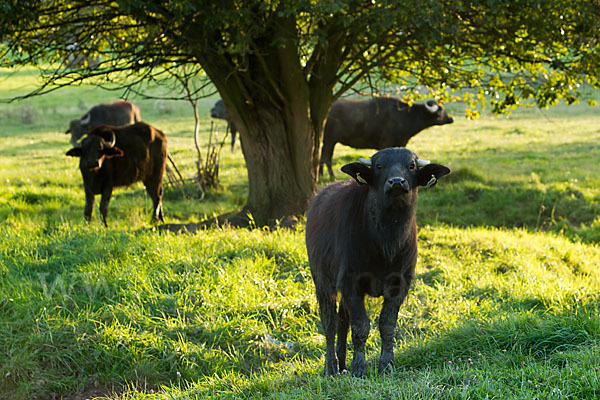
279 65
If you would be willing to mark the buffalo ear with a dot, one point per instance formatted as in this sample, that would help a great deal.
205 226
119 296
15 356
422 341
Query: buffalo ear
113 152
360 172
75 152
429 174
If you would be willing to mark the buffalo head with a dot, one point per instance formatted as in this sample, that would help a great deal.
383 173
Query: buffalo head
96 148
394 174
77 128
439 114
220 111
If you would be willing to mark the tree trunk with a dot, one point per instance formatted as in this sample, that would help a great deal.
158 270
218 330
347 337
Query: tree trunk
279 111
278 150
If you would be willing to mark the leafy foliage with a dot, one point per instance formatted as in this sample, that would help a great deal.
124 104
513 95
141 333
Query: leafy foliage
512 51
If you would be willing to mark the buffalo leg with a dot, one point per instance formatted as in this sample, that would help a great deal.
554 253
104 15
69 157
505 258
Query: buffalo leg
104 201
331 175
359 322
326 156
327 306
342 334
89 205
233 131
155 191
387 328
395 292
321 165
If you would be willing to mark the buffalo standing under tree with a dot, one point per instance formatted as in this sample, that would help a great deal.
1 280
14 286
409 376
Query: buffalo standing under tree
220 111
377 123
112 156
361 238
120 113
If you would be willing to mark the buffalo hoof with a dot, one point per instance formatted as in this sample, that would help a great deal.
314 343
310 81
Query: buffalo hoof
386 363
359 365
331 366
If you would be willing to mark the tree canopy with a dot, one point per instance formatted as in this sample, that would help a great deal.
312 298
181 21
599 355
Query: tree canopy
279 65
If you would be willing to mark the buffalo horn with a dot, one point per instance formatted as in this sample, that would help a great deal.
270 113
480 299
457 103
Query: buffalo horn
432 106
86 119
112 141
365 161
422 163
108 135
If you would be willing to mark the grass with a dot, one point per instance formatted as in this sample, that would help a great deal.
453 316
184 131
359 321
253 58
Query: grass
505 303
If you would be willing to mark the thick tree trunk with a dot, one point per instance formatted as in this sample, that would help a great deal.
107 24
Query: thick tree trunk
278 149
279 109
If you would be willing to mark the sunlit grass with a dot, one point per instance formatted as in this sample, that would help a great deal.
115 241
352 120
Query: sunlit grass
504 304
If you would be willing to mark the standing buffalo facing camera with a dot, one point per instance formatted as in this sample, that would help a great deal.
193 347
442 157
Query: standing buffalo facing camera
120 113
361 238
377 123
112 156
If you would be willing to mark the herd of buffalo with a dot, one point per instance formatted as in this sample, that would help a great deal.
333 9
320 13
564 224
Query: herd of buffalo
377 123
361 234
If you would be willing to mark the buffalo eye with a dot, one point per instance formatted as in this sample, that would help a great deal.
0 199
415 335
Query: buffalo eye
378 166
412 165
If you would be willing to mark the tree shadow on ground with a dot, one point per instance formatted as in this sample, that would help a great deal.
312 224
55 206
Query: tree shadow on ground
498 347
110 338
77 294
469 200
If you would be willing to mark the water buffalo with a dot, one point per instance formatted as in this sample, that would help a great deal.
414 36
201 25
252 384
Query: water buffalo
376 124
112 156
120 113
361 238
220 111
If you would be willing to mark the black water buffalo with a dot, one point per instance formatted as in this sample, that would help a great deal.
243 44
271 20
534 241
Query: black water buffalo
376 124
112 156
120 113
220 111
361 238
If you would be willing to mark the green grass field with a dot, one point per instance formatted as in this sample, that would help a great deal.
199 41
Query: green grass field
505 304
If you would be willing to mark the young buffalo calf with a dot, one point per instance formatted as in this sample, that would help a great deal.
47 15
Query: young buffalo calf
361 239
119 156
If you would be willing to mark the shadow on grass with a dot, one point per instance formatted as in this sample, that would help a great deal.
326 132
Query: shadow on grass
467 199
509 338
103 305
533 345
54 147
470 200
82 298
